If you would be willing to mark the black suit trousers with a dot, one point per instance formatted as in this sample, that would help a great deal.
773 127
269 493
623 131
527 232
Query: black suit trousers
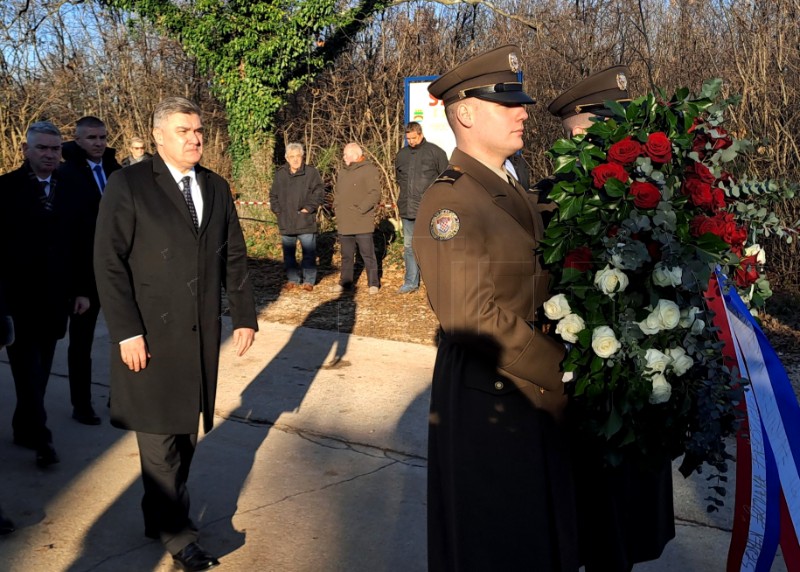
79 355
366 248
31 359
165 469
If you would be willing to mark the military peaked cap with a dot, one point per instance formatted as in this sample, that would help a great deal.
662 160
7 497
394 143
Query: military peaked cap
492 76
589 94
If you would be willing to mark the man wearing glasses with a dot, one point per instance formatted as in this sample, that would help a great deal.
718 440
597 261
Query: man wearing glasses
138 153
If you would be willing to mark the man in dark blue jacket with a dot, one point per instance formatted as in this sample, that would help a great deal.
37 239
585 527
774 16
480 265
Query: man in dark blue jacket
417 165
297 192
88 162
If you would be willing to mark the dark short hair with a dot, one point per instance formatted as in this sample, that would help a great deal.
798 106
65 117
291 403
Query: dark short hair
42 128
413 126
171 106
89 121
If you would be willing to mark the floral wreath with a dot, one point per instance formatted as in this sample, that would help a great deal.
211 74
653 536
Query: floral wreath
648 207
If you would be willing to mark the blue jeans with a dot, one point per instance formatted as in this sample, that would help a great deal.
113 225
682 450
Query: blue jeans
308 243
412 269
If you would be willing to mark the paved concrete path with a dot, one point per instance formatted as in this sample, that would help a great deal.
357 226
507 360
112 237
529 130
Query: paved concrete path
316 464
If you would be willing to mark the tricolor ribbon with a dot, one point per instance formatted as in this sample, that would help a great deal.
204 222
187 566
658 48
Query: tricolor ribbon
767 500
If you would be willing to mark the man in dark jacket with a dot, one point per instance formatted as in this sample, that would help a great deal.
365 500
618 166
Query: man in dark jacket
416 166
168 240
358 190
88 161
296 194
45 270
138 153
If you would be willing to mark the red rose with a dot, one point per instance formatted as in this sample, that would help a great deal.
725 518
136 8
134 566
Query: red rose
701 224
747 273
699 144
658 147
718 198
624 151
701 172
723 140
695 123
737 236
699 193
580 258
645 195
606 171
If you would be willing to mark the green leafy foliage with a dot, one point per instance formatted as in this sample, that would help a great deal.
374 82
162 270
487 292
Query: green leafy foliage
257 52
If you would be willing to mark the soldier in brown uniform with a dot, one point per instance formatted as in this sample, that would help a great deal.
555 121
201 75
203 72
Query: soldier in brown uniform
499 485
625 513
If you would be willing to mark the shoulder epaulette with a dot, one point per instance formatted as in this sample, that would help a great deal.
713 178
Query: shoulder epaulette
449 176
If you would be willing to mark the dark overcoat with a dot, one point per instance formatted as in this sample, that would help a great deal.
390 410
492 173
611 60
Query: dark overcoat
358 191
44 262
159 276
292 192
500 493
85 186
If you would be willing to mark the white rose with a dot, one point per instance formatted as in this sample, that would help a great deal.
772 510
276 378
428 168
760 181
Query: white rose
663 276
757 251
680 361
569 327
661 389
657 361
650 325
688 317
669 313
610 280
604 342
557 307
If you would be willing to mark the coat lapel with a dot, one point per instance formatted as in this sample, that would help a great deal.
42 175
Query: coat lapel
504 195
207 191
167 184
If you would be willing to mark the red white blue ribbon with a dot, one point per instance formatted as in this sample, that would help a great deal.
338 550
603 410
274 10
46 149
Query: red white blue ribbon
767 507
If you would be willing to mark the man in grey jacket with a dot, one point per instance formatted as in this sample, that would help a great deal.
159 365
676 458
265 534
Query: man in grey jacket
417 165
296 194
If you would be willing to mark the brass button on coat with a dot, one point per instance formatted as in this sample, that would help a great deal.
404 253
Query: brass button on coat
498 385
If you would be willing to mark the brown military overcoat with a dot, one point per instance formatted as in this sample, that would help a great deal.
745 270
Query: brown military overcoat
499 487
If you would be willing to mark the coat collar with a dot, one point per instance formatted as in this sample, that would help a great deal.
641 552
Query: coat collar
166 182
503 194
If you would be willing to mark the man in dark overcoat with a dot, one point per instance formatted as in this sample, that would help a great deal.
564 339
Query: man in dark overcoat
500 493
168 240
45 269
358 191
416 166
625 512
89 161
296 194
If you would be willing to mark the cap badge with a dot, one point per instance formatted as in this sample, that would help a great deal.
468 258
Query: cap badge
513 62
444 224
622 81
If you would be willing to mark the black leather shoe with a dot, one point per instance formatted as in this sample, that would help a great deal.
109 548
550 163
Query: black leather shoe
46 455
86 416
192 558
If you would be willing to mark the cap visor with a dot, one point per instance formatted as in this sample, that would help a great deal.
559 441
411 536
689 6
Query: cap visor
515 97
